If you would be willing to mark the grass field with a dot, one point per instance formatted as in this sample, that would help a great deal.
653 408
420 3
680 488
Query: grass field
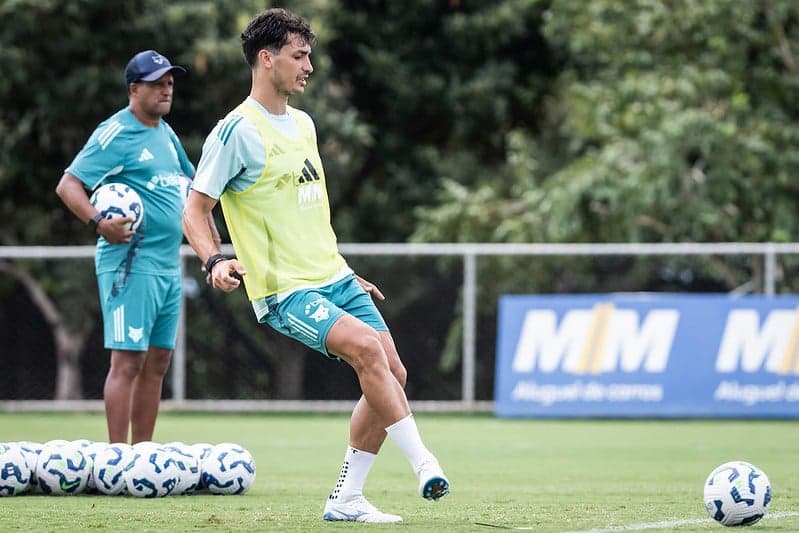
539 475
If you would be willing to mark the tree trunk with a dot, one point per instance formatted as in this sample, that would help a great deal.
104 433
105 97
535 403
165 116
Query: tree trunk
69 348
68 344
288 358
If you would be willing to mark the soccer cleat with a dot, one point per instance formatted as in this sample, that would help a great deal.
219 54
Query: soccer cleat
357 510
433 484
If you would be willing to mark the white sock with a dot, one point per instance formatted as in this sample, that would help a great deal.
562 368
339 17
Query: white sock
406 435
353 475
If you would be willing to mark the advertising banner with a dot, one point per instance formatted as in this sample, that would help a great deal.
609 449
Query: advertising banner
648 355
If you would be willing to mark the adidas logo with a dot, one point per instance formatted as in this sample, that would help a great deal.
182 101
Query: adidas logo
145 155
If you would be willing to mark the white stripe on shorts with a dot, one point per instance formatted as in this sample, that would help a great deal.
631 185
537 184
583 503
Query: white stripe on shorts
304 328
119 323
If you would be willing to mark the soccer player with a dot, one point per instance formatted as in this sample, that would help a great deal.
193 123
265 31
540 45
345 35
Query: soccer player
262 163
138 273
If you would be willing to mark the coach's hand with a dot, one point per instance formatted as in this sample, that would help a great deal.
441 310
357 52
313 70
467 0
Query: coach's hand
116 230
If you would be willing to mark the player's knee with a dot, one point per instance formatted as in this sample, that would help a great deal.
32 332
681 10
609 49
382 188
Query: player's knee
367 352
400 373
157 363
126 368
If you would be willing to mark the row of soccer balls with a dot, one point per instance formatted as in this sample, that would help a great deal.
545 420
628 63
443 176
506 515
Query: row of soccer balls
146 469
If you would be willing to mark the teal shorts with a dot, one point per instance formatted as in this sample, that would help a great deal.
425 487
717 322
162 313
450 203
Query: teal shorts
139 310
307 315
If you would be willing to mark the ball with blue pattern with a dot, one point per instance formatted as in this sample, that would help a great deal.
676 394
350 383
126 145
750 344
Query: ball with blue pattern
737 493
117 200
108 468
62 469
15 474
151 473
228 469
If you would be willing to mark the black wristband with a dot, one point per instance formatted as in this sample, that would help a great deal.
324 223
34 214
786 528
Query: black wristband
94 221
213 260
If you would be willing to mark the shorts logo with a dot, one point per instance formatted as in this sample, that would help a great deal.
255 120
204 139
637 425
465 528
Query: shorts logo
321 312
135 334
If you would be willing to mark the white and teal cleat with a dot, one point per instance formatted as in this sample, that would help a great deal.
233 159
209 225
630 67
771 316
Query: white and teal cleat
433 484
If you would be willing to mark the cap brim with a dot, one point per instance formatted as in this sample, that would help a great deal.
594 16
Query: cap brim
156 74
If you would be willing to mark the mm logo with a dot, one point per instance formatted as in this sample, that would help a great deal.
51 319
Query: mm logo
595 341
311 193
750 347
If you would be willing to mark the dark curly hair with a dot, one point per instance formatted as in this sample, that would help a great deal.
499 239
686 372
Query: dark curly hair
272 30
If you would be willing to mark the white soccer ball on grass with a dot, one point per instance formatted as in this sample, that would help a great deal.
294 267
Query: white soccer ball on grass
188 465
31 451
737 493
151 473
90 450
228 469
15 474
109 466
62 469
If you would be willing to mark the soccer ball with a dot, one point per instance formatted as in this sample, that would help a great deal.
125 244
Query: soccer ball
57 442
90 450
108 468
116 200
152 473
737 494
15 474
228 469
188 465
31 450
62 470
200 451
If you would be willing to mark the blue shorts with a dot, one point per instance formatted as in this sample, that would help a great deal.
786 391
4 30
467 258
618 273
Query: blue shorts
307 315
139 310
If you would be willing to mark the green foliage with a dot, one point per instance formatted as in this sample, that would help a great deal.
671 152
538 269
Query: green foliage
439 84
65 76
564 121
668 122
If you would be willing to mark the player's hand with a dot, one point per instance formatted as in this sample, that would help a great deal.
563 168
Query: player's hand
370 288
116 230
226 275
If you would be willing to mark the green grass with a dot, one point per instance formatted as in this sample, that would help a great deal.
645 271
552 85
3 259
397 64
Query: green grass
545 475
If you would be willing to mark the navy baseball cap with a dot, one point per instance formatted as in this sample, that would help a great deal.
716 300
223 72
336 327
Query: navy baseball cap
149 66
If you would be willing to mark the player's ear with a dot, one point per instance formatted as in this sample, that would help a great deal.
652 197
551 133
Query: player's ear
265 57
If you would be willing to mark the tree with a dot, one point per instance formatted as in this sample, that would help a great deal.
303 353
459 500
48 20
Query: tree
49 107
437 87
667 122
670 121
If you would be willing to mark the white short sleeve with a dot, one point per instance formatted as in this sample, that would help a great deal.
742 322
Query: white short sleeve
233 155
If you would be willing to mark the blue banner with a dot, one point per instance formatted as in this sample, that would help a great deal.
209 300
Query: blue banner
648 355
